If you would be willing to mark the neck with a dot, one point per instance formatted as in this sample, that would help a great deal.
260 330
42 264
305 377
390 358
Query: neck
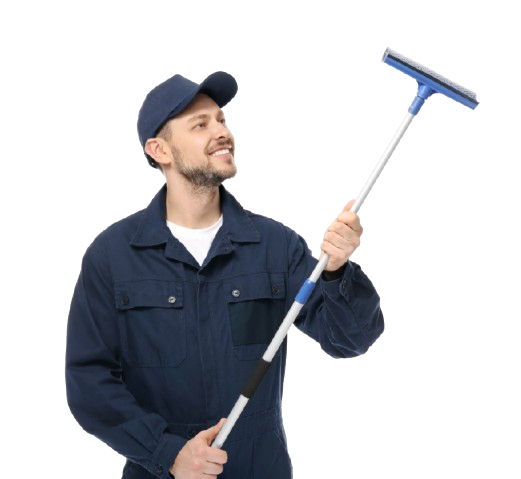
192 207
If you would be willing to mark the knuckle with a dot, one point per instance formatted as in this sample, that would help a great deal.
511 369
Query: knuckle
348 217
334 226
353 219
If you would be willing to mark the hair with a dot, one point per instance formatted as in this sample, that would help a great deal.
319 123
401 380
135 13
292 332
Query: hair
165 132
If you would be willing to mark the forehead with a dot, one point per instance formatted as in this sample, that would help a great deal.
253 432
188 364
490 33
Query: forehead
200 104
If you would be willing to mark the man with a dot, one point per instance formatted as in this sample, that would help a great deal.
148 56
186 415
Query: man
175 303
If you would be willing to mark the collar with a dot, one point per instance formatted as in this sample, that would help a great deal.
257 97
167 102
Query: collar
153 231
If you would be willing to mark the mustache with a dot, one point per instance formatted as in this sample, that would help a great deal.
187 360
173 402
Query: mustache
219 144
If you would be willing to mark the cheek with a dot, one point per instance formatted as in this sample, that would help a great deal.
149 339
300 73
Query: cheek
194 148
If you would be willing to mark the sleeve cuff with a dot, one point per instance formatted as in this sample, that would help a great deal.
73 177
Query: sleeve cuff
332 275
340 285
165 455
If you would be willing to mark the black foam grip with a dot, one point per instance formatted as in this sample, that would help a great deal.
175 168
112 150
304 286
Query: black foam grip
255 378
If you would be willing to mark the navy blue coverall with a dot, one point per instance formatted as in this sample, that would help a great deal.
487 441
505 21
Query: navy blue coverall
159 348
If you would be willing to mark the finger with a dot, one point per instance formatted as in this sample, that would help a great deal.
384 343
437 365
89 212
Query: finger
350 219
333 251
340 240
210 433
341 229
216 456
339 248
218 426
337 258
213 454
211 469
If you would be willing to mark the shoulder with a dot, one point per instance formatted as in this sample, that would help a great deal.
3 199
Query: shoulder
267 224
115 235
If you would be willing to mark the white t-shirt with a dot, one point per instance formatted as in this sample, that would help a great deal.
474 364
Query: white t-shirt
197 241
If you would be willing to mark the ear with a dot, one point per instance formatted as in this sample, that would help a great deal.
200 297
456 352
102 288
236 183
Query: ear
158 149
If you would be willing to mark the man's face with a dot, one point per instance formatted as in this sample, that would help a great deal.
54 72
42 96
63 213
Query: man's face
202 146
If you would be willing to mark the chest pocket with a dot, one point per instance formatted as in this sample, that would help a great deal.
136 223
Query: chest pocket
152 322
256 308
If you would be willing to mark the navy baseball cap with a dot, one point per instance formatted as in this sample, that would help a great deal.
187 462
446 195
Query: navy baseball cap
173 95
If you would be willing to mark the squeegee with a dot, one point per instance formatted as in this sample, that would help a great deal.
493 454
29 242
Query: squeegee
429 82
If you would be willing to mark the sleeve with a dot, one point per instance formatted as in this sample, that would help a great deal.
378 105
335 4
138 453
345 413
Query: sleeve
96 393
344 314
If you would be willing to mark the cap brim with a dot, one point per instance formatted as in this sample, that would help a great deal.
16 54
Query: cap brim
221 87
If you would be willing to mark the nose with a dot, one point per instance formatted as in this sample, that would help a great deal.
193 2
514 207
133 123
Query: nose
222 131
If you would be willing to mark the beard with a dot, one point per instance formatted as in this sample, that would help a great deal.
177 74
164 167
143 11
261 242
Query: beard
202 177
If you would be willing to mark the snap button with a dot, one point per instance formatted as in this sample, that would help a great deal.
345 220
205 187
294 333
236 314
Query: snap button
171 299
125 300
236 293
158 469
275 289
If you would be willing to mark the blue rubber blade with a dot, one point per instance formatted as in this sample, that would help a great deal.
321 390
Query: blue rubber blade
430 78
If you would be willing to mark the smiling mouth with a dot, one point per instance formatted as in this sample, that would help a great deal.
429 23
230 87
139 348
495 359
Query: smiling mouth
224 151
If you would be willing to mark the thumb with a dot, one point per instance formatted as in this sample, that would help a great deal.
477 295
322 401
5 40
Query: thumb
349 205
210 434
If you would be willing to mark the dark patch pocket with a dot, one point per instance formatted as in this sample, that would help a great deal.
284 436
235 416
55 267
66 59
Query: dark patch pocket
151 322
256 308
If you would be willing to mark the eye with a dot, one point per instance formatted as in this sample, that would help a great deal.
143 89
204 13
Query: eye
199 125
223 121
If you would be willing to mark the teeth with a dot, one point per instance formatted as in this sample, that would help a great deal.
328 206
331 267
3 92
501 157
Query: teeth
221 152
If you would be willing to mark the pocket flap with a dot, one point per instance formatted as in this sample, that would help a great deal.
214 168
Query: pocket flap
255 286
148 294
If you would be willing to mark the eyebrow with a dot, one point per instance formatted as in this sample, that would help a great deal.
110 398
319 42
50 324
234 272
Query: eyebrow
204 116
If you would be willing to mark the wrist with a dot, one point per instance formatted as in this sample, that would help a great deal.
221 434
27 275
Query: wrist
332 275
